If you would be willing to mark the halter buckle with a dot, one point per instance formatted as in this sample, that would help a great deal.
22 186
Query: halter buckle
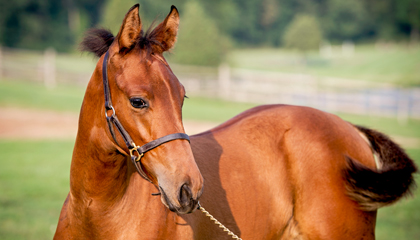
134 150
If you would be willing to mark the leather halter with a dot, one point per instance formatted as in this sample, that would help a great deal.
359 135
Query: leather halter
136 152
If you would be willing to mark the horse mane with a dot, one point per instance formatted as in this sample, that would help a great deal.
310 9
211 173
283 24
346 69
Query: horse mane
98 41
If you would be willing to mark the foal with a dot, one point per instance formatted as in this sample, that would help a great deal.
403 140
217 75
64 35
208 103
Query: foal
272 172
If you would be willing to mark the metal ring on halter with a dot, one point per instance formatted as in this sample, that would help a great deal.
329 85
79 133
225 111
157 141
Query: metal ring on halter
135 149
110 108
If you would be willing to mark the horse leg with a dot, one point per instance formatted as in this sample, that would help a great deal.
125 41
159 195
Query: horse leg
322 208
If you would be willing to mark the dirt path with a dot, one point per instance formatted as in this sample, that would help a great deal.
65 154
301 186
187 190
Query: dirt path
18 123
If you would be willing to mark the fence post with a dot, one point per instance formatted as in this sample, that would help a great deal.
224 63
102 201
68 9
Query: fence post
49 68
224 81
325 50
347 49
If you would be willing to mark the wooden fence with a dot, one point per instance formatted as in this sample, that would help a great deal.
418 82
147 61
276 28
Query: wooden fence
40 67
243 85
325 93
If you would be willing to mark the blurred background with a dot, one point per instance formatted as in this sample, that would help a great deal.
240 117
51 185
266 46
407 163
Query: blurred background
357 59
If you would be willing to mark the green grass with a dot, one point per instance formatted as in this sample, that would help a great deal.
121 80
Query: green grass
394 64
401 221
390 126
214 110
14 93
34 181
77 63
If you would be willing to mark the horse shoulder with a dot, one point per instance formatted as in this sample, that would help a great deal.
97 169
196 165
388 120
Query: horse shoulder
242 162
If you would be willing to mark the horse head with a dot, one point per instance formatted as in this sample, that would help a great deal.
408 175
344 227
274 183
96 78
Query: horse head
147 98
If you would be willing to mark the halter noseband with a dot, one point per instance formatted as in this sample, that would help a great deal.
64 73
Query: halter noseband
136 152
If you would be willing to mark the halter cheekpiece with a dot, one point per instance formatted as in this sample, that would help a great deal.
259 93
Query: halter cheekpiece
136 152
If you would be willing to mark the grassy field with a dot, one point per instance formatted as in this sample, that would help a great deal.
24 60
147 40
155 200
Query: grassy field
34 177
34 95
387 63
35 182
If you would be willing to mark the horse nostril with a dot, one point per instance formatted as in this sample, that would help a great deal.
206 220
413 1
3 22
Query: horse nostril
185 195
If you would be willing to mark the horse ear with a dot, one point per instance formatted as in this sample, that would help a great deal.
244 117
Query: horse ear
165 33
130 29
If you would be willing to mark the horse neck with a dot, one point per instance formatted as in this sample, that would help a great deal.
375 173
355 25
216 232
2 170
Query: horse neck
98 169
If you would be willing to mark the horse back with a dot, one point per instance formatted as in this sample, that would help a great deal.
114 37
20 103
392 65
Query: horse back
278 171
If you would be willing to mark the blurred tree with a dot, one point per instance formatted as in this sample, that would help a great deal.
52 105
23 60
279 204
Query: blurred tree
408 12
225 13
345 20
114 12
269 13
303 33
310 7
152 10
35 24
382 18
39 24
247 30
199 42
92 9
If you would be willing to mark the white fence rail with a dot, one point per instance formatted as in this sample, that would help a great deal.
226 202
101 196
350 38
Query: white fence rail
38 66
325 93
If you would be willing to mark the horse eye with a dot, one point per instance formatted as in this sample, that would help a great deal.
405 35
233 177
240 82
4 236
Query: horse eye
138 103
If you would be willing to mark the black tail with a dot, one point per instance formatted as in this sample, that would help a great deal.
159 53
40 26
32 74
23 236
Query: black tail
394 179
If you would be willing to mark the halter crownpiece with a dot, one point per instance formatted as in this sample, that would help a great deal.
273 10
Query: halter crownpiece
136 152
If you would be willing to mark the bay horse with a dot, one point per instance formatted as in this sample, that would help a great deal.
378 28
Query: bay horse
272 172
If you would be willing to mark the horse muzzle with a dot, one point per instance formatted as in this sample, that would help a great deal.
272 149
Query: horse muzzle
186 201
